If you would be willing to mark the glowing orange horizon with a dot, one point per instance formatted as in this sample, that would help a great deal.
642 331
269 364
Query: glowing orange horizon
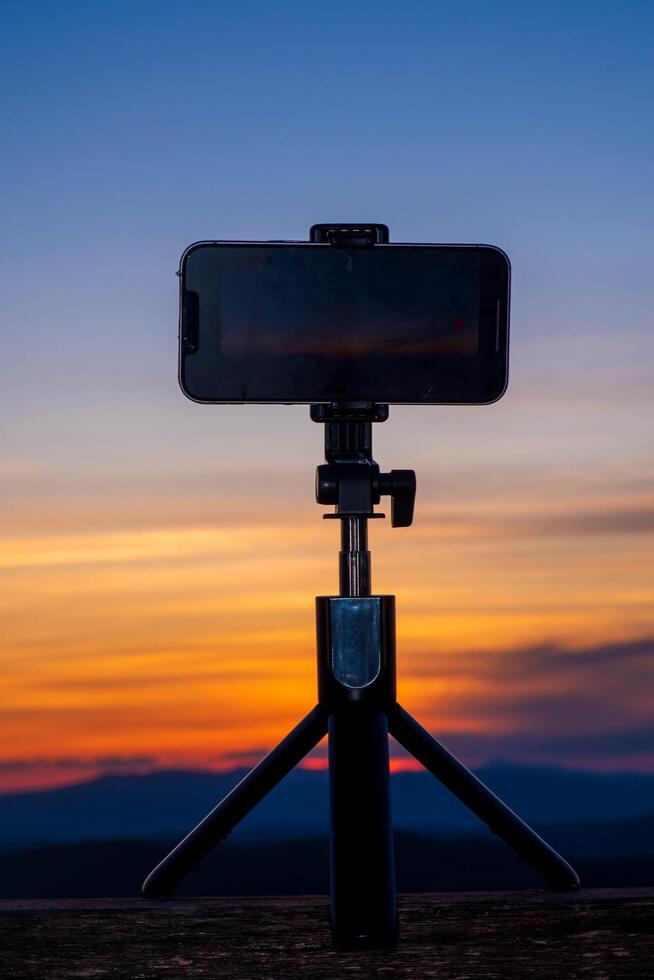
194 645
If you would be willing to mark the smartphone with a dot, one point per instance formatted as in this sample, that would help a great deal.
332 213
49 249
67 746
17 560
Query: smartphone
302 322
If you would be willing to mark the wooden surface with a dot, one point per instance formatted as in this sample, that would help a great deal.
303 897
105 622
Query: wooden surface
600 935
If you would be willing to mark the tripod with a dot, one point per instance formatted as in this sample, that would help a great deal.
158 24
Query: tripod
357 708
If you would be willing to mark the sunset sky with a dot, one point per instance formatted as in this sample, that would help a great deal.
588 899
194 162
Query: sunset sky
159 558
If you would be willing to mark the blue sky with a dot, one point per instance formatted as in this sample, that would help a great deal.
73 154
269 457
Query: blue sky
132 129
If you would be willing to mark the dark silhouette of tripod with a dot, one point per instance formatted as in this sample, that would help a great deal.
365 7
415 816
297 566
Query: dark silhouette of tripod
357 708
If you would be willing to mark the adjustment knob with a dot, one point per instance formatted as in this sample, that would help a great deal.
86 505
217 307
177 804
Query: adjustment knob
400 486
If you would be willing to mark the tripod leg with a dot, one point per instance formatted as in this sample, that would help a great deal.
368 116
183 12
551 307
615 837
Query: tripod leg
243 798
361 839
478 798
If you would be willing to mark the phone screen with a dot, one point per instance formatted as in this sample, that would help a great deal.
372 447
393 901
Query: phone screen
265 322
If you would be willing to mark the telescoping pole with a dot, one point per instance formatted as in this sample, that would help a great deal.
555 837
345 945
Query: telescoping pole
364 913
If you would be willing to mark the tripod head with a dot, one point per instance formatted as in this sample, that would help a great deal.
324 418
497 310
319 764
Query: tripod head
350 478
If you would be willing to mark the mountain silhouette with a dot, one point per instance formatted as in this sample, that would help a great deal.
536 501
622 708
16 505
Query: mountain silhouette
164 804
